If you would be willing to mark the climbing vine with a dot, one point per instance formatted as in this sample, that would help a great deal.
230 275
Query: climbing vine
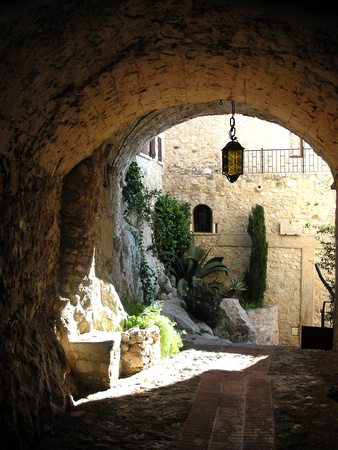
169 220
146 273
137 196
138 199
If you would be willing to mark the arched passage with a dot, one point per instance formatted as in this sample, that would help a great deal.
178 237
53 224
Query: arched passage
76 76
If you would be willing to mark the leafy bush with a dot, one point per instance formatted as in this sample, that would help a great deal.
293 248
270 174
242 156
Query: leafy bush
203 302
327 262
171 227
170 339
255 277
188 270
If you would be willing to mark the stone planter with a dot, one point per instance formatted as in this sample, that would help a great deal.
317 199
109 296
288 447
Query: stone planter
317 338
140 349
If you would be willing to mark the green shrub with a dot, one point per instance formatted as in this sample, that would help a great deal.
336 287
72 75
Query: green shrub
326 265
255 277
171 227
189 270
203 302
170 339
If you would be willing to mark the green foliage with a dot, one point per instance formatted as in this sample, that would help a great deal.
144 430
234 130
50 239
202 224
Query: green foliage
171 227
235 287
116 325
171 340
255 277
203 302
327 260
188 270
138 199
249 305
146 274
132 306
137 196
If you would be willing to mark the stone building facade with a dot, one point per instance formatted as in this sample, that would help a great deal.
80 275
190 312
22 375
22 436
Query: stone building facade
192 173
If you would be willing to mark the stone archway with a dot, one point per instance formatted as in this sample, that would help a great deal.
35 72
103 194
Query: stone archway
75 76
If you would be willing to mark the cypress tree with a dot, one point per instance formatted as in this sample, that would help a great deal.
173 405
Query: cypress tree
255 277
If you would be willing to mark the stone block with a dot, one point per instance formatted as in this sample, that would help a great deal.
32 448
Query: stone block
265 322
235 324
139 350
93 361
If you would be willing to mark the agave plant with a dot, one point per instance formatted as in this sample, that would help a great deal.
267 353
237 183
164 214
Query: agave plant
235 286
189 270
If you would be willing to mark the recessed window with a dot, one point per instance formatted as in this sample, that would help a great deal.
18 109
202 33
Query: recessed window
202 219
155 148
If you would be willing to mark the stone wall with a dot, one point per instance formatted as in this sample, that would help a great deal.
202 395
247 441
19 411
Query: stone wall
265 322
140 349
193 174
32 363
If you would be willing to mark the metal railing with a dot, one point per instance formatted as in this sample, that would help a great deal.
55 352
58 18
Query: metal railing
283 161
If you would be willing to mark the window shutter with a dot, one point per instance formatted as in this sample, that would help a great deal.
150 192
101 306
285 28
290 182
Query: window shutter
152 151
159 149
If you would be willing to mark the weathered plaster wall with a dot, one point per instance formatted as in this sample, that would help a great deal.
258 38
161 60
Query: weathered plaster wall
74 74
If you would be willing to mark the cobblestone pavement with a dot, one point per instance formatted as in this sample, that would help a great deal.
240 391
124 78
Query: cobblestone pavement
149 409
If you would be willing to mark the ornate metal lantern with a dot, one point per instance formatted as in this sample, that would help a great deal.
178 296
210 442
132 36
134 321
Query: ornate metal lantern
232 153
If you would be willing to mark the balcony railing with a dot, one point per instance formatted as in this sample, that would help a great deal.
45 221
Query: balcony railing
283 161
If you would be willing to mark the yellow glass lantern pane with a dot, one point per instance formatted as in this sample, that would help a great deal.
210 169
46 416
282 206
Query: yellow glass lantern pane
235 162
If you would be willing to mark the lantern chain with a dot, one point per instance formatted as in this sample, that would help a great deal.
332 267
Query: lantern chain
232 132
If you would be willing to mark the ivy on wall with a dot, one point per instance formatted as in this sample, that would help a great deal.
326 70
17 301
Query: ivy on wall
169 220
137 195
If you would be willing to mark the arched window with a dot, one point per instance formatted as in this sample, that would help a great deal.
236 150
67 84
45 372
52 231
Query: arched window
202 219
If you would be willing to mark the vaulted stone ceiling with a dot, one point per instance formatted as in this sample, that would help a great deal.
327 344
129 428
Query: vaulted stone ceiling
80 72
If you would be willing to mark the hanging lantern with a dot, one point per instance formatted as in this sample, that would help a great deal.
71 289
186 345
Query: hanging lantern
232 153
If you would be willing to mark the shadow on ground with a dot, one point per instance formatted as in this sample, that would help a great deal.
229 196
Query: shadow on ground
305 416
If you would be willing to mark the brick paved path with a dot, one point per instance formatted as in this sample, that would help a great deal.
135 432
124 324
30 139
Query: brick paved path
232 410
